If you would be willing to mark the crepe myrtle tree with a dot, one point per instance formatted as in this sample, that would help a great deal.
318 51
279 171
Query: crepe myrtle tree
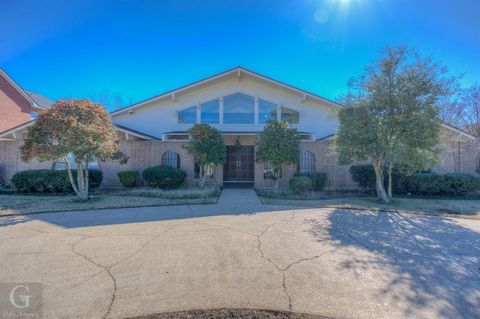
390 115
278 144
207 147
77 127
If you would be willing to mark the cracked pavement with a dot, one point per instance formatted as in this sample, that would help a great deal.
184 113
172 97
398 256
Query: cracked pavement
240 254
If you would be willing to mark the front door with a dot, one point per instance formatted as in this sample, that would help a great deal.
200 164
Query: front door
239 166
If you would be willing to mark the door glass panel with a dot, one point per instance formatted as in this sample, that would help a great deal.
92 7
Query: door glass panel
188 116
210 112
266 111
289 115
238 108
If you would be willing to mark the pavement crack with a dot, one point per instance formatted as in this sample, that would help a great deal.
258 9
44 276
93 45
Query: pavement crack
105 268
283 270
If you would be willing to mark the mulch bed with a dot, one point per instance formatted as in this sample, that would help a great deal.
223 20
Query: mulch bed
231 314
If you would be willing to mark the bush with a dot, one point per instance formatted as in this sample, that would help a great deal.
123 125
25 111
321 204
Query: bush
363 175
300 184
436 184
128 178
51 181
164 177
318 179
419 183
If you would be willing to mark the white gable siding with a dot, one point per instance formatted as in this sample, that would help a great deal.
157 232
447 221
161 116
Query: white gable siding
159 117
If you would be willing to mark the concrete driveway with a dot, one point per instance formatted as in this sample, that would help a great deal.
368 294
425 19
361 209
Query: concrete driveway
241 254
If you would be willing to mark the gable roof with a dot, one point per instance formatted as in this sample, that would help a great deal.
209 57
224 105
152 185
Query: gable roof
36 100
237 71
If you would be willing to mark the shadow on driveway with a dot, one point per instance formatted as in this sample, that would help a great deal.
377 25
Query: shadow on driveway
434 261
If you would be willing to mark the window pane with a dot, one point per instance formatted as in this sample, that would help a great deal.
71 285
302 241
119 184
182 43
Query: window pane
188 116
171 158
238 108
210 112
289 115
306 164
266 111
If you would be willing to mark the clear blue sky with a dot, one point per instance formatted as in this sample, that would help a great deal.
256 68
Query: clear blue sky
139 49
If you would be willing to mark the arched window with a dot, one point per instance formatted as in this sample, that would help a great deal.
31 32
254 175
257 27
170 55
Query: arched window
306 163
171 158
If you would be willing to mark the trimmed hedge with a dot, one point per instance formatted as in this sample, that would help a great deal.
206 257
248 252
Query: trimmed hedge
419 183
363 175
51 181
164 177
128 178
300 184
319 179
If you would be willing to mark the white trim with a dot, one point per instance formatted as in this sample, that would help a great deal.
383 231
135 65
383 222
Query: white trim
21 91
130 133
16 129
456 130
235 71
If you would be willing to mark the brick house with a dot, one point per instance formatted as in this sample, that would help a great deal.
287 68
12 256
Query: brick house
238 102
17 105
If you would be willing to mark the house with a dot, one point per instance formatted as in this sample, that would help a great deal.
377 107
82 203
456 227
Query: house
238 102
18 105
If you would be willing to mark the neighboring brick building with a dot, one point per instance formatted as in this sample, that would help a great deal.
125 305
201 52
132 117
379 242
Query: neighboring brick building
17 105
238 102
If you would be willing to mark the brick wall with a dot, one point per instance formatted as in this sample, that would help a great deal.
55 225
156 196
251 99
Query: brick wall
455 157
15 109
11 161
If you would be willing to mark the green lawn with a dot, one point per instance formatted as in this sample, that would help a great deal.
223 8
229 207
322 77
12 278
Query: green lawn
28 204
443 207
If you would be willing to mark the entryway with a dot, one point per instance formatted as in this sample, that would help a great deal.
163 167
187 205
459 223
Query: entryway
238 170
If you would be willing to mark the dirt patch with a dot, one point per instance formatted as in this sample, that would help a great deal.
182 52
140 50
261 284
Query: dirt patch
231 314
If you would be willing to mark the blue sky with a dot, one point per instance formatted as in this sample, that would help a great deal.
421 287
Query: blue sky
138 49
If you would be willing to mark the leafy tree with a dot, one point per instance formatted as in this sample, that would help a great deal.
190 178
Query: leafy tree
278 144
78 127
207 146
391 116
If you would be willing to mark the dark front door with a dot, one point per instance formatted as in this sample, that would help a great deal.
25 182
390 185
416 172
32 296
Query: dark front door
239 166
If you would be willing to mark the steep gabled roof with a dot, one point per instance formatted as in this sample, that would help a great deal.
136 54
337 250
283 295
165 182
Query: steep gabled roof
238 71
36 100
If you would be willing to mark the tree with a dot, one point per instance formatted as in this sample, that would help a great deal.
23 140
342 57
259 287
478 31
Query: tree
278 144
470 102
464 110
390 115
77 127
207 146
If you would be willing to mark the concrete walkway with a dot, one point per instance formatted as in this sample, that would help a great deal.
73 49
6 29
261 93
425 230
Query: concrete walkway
241 254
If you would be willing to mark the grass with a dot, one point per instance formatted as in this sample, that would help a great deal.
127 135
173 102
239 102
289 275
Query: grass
13 204
440 207
183 193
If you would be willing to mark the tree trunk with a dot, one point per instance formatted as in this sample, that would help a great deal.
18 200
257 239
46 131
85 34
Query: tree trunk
276 178
389 187
83 192
70 177
202 176
379 180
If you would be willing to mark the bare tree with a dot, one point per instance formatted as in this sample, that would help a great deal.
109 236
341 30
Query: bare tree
109 100
470 105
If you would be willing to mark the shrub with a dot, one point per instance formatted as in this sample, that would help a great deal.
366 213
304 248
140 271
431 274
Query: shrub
438 184
128 178
363 175
319 179
300 184
50 181
164 177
